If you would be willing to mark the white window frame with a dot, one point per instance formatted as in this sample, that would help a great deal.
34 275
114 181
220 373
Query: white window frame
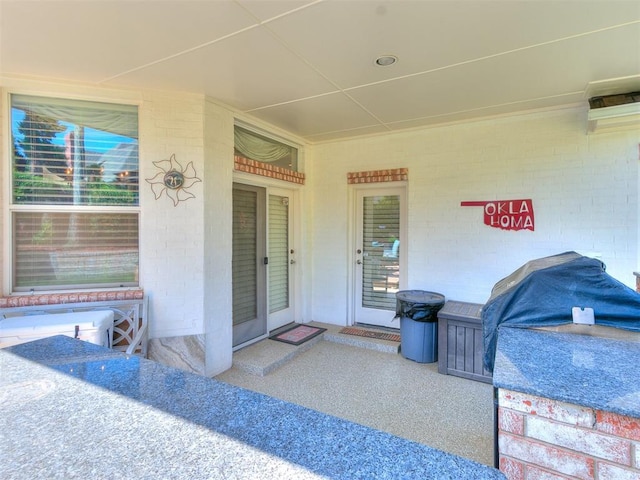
7 197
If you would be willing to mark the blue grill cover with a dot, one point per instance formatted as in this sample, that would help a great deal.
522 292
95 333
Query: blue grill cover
543 292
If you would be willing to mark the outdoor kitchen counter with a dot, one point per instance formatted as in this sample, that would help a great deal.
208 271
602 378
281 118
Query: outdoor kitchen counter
71 409
590 371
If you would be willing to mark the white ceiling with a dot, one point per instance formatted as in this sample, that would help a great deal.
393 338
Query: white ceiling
308 66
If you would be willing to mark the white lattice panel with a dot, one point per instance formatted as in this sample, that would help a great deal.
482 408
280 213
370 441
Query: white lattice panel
130 325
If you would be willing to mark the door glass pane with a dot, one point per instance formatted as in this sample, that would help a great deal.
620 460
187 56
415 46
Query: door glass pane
244 261
381 251
278 253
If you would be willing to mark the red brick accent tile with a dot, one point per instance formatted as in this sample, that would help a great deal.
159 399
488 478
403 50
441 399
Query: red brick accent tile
555 410
263 169
378 176
74 297
512 469
510 421
619 425
590 442
546 456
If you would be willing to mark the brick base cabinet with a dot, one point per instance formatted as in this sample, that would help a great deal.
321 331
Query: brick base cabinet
543 439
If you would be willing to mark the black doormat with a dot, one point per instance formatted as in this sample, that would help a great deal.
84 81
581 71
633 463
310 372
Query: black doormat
297 334
359 332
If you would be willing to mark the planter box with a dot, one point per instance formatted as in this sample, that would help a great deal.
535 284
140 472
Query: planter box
460 345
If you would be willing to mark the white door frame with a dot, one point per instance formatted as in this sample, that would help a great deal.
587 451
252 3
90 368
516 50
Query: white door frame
277 187
355 223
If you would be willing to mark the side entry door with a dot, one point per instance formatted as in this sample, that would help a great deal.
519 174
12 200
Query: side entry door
379 255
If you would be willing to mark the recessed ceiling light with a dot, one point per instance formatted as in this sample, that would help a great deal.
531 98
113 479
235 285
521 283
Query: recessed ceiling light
386 60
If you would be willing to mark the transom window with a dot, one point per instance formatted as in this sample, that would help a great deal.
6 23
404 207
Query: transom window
254 146
75 205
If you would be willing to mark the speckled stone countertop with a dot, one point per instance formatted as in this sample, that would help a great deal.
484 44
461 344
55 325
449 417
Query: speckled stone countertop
585 370
70 409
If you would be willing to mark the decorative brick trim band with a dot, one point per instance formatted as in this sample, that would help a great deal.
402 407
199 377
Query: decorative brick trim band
74 297
378 176
255 167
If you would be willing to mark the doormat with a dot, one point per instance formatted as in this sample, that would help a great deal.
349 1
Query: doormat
359 332
297 334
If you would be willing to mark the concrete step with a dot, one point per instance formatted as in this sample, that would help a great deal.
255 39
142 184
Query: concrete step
265 356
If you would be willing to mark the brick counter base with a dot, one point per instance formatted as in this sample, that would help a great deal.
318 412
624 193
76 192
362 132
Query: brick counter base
546 439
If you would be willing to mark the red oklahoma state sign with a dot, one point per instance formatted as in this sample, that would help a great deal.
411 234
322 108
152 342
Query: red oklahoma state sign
506 214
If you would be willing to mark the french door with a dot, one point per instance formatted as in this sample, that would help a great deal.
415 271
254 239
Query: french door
249 267
380 246
263 261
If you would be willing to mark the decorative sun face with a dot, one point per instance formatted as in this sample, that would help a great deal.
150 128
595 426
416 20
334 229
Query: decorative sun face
173 180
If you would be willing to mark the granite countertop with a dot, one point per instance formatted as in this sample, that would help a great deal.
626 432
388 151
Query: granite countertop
590 371
70 409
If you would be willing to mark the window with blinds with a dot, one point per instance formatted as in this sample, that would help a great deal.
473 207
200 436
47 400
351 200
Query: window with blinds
381 234
75 205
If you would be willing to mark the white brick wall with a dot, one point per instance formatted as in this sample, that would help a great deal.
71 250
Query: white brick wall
218 175
584 191
172 236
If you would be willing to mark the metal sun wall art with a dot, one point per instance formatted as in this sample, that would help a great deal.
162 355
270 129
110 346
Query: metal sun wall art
173 180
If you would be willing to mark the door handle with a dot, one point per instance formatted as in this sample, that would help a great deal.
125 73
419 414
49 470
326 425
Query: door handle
359 262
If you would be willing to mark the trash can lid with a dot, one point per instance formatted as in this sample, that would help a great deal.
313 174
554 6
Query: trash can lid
419 296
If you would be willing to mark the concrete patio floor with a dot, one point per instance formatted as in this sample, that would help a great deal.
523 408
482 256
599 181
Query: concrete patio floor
368 382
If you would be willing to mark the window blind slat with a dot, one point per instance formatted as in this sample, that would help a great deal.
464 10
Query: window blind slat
64 250
73 153
381 228
278 253
244 258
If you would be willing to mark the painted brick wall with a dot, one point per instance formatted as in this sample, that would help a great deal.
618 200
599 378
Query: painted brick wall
172 237
584 190
541 438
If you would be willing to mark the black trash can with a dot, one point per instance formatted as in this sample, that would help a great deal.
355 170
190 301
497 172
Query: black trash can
418 312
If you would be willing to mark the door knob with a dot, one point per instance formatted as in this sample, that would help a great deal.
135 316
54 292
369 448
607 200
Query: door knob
359 262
